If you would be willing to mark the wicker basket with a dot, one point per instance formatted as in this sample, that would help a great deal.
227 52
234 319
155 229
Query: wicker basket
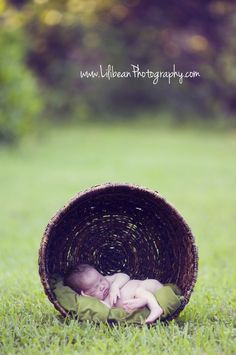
120 228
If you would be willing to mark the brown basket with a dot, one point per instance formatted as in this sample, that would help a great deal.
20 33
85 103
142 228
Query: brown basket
120 228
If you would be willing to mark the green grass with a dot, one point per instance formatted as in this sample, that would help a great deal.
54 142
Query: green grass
194 170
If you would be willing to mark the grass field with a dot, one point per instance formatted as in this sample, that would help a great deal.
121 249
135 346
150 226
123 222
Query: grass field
194 170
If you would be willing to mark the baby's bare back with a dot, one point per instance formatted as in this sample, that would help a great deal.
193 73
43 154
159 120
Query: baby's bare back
128 291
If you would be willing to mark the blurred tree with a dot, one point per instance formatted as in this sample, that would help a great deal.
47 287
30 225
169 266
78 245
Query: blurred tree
19 99
69 35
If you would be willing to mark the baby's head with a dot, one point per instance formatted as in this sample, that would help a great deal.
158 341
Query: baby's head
86 280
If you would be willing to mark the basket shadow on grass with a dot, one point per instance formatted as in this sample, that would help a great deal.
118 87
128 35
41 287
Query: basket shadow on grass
111 324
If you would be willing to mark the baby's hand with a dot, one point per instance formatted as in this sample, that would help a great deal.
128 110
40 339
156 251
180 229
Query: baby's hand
114 294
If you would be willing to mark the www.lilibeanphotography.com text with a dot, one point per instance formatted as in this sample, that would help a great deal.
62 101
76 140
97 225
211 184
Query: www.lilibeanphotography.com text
109 72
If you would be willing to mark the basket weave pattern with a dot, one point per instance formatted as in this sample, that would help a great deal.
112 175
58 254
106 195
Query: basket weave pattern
120 228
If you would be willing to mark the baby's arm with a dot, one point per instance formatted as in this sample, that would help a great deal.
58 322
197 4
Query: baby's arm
117 281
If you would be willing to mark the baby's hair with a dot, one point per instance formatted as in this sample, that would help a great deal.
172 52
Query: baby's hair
74 278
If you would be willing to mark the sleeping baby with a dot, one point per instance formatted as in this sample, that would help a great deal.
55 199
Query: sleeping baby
116 290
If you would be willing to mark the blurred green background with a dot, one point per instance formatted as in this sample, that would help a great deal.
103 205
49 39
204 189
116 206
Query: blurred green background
45 44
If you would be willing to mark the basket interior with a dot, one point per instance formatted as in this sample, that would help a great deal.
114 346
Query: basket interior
123 230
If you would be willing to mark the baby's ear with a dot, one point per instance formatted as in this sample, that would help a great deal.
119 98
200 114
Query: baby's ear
83 294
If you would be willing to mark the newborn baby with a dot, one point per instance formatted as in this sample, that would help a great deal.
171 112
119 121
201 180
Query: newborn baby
116 290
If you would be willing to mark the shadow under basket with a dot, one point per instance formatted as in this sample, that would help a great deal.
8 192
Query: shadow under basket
120 228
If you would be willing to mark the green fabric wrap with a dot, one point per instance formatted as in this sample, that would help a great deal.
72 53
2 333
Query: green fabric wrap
89 308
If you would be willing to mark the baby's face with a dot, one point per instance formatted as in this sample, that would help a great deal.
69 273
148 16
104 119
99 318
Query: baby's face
96 285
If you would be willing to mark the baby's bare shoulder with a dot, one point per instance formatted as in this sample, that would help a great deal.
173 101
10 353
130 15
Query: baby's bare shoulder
117 275
111 277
